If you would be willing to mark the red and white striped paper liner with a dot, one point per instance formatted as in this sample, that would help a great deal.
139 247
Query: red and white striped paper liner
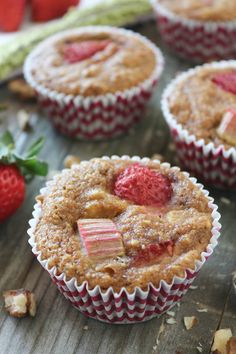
196 40
95 117
215 165
124 307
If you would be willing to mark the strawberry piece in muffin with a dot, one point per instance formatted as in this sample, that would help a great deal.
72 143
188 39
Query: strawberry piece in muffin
151 252
227 81
76 52
143 186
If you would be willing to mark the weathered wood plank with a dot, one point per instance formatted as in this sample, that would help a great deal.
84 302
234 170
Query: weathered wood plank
58 327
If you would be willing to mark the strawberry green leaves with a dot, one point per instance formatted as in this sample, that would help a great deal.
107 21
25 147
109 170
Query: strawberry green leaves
29 165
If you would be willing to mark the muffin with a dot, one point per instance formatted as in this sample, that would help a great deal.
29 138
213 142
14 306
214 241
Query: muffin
199 30
200 108
123 238
94 82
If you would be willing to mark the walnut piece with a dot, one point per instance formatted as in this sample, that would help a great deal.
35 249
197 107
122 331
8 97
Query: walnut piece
190 322
231 346
71 160
20 303
23 119
158 157
20 88
221 338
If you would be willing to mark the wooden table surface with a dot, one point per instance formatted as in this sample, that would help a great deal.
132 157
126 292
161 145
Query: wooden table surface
58 327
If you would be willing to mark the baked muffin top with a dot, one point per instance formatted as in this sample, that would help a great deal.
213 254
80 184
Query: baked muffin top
122 223
203 104
203 10
93 63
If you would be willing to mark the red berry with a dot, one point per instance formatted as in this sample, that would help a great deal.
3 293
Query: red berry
46 10
151 252
143 186
75 52
12 190
11 14
227 81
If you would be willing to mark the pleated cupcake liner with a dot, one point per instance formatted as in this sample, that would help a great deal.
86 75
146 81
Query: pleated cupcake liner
195 40
95 117
124 307
215 165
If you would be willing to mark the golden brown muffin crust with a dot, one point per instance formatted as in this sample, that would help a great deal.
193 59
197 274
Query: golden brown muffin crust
86 191
124 63
203 10
199 105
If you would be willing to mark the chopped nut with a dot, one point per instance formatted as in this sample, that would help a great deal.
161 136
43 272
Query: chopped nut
171 147
21 89
193 287
23 119
171 321
20 303
202 310
221 338
225 200
171 313
190 322
231 346
234 281
71 160
157 157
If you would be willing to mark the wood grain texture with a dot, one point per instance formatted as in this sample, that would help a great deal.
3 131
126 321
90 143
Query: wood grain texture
59 328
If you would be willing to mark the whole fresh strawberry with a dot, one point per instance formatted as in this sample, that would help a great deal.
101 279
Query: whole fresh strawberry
15 171
46 10
11 14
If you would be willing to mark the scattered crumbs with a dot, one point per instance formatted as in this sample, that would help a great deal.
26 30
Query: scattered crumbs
178 304
202 310
190 322
23 119
154 347
171 321
193 287
171 147
157 341
85 328
162 328
171 313
199 349
225 200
